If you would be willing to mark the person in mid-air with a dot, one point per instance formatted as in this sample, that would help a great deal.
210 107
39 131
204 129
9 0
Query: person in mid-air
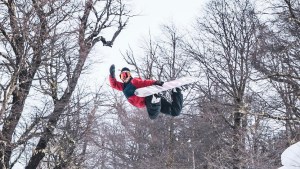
154 103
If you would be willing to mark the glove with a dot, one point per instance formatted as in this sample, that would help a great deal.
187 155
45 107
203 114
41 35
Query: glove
112 71
159 83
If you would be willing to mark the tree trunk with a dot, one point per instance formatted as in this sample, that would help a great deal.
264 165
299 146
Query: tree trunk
170 159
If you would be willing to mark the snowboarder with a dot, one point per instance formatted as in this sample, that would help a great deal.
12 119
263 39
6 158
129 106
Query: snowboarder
154 103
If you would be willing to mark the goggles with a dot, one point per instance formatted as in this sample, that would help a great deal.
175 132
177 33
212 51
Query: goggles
124 75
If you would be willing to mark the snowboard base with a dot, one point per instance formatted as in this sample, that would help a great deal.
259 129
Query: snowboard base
150 90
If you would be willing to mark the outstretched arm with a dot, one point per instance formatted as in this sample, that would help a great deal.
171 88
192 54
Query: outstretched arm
144 83
112 79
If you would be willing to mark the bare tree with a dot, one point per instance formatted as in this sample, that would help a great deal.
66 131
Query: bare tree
165 60
277 59
47 44
223 52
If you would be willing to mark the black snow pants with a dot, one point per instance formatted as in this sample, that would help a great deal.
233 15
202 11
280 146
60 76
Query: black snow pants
165 107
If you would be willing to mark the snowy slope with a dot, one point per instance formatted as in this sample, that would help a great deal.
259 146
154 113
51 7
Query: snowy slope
290 158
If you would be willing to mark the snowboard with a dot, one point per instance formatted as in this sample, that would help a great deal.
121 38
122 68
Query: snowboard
150 90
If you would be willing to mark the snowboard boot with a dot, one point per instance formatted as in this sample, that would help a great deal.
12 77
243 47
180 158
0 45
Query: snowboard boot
153 105
155 98
177 103
184 87
176 90
167 95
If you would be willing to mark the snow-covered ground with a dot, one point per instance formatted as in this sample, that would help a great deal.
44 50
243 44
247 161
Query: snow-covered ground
290 158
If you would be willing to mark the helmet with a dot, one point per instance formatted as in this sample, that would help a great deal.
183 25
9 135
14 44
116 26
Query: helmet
125 69
125 74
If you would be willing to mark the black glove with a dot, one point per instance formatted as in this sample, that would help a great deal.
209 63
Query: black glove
112 71
159 83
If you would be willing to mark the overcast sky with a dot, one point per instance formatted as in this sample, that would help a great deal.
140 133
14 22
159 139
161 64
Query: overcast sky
152 14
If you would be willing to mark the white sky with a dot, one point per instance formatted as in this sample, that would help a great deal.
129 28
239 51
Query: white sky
153 13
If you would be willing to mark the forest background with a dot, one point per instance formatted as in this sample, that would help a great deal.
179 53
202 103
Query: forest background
242 114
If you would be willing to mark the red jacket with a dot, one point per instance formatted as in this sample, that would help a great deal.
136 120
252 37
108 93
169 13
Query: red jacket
129 88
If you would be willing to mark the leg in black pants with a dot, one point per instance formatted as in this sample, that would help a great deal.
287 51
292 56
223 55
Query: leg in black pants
153 109
173 109
177 102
